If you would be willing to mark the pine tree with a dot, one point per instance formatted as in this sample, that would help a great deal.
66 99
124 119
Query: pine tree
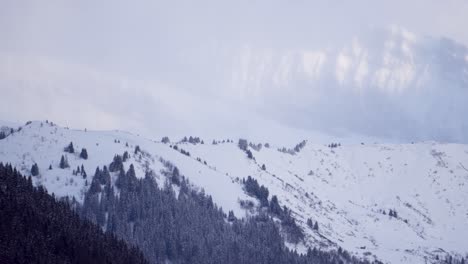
121 180
125 156
249 154
263 167
116 164
34 170
95 185
83 172
316 227
84 154
63 162
175 178
231 217
275 208
310 223
70 148
242 144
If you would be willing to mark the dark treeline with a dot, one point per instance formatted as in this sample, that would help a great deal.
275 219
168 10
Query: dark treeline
187 227
292 231
35 228
296 148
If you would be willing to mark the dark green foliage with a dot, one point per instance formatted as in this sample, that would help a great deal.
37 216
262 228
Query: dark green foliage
127 182
393 213
316 226
194 140
35 228
231 217
2 135
275 208
137 149
102 176
300 146
294 150
34 170
294 233
186 153
165 140
83 172
95 186
263 167
190 228
243 144
70 148
175 177
249 154
254 189
116 164
84 154
63 162
311 224
125 156
50 167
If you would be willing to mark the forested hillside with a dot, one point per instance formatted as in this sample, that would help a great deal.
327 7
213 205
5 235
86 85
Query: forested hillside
35 228
188 227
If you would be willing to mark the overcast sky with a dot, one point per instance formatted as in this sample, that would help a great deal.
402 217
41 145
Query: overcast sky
119 64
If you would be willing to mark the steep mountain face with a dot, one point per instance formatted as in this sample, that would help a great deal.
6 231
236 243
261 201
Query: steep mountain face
399 203
403 84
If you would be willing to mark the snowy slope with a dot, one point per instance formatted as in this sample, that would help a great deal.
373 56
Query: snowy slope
346 189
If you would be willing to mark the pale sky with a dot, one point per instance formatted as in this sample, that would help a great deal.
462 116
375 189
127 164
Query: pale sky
119 64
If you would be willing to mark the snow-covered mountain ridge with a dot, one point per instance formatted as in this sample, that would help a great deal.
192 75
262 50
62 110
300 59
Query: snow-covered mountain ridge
346 189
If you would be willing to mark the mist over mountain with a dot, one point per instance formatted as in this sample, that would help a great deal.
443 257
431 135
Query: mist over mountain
386 83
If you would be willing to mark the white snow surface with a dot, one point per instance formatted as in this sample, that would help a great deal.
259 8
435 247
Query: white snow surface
346 189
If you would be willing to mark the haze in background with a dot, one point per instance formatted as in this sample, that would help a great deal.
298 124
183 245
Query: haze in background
385 69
